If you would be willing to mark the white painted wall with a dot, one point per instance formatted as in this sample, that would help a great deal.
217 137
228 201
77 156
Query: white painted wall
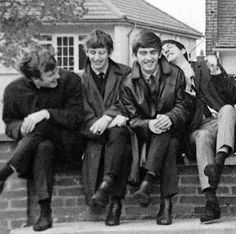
6 77
228 60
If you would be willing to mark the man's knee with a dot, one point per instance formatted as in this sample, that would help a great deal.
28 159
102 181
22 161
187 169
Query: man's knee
202 135
119 132
226 110
45 146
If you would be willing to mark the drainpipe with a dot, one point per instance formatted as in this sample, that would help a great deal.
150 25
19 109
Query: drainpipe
128 35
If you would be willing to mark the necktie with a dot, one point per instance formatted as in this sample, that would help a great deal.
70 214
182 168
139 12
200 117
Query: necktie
152 81
101 75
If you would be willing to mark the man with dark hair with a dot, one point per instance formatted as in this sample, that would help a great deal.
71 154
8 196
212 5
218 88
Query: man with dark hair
107 154
43 109
152 99
212 127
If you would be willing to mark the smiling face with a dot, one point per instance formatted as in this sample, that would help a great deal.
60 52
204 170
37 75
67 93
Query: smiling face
98 58
147 59
172 52
48 79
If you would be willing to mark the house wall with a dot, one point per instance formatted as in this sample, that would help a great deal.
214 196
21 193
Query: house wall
7 75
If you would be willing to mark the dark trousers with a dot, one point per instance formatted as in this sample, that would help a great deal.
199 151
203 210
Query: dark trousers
161 160
117 158
34 156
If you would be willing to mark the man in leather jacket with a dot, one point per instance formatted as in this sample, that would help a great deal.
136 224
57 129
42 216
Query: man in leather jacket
152 99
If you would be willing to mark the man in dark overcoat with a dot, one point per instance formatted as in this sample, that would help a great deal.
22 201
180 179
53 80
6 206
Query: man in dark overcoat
212 127
152 99
107 154
43 110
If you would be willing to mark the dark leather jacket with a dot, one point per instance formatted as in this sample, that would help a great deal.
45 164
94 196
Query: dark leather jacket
137 104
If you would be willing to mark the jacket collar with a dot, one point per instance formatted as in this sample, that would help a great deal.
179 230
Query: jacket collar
164 65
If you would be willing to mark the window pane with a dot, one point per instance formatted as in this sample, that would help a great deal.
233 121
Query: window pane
65 41
59 61
65 61
71 51
65 51
71 61
71 41
59 41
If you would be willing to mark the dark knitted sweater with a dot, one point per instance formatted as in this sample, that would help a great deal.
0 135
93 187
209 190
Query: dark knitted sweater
64 103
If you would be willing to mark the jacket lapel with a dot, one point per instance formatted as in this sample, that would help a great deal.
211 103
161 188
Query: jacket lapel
165 71
113 79
91 87
110 84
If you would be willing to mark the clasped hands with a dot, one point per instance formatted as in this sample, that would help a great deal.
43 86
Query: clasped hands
32 120
212 64
107 122
160 124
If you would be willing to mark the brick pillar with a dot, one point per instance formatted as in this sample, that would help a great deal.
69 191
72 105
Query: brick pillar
211 25
13 199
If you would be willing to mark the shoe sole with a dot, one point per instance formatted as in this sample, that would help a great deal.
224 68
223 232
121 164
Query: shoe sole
211 221
42 229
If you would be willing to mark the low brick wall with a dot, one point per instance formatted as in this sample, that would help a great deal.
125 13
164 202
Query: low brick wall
18 206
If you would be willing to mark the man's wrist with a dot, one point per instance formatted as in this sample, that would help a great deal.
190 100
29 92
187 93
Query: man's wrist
107 118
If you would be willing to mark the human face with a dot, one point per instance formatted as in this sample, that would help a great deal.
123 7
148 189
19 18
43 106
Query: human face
48 79
147 59
172 52
98 58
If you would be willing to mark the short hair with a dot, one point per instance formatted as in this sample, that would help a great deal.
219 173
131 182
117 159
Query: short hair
177 44
37 60
146 39
99 39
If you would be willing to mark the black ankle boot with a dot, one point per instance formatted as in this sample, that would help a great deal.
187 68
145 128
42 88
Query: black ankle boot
113 217
44 221
164 216
142 196
211 213
101 197
5 172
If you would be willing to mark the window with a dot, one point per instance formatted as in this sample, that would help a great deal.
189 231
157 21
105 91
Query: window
70 52
65 52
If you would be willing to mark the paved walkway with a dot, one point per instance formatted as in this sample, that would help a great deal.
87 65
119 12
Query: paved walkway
179 226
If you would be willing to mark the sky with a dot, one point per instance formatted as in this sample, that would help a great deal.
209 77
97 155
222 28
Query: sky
190 12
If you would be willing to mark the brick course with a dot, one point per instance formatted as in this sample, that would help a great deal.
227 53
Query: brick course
17 209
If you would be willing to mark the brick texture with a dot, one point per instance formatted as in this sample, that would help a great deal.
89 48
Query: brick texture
18 206
211 25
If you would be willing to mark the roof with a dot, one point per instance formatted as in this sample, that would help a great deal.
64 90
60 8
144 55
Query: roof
226 23
138 12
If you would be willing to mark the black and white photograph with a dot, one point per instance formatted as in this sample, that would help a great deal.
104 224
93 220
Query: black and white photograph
118 116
